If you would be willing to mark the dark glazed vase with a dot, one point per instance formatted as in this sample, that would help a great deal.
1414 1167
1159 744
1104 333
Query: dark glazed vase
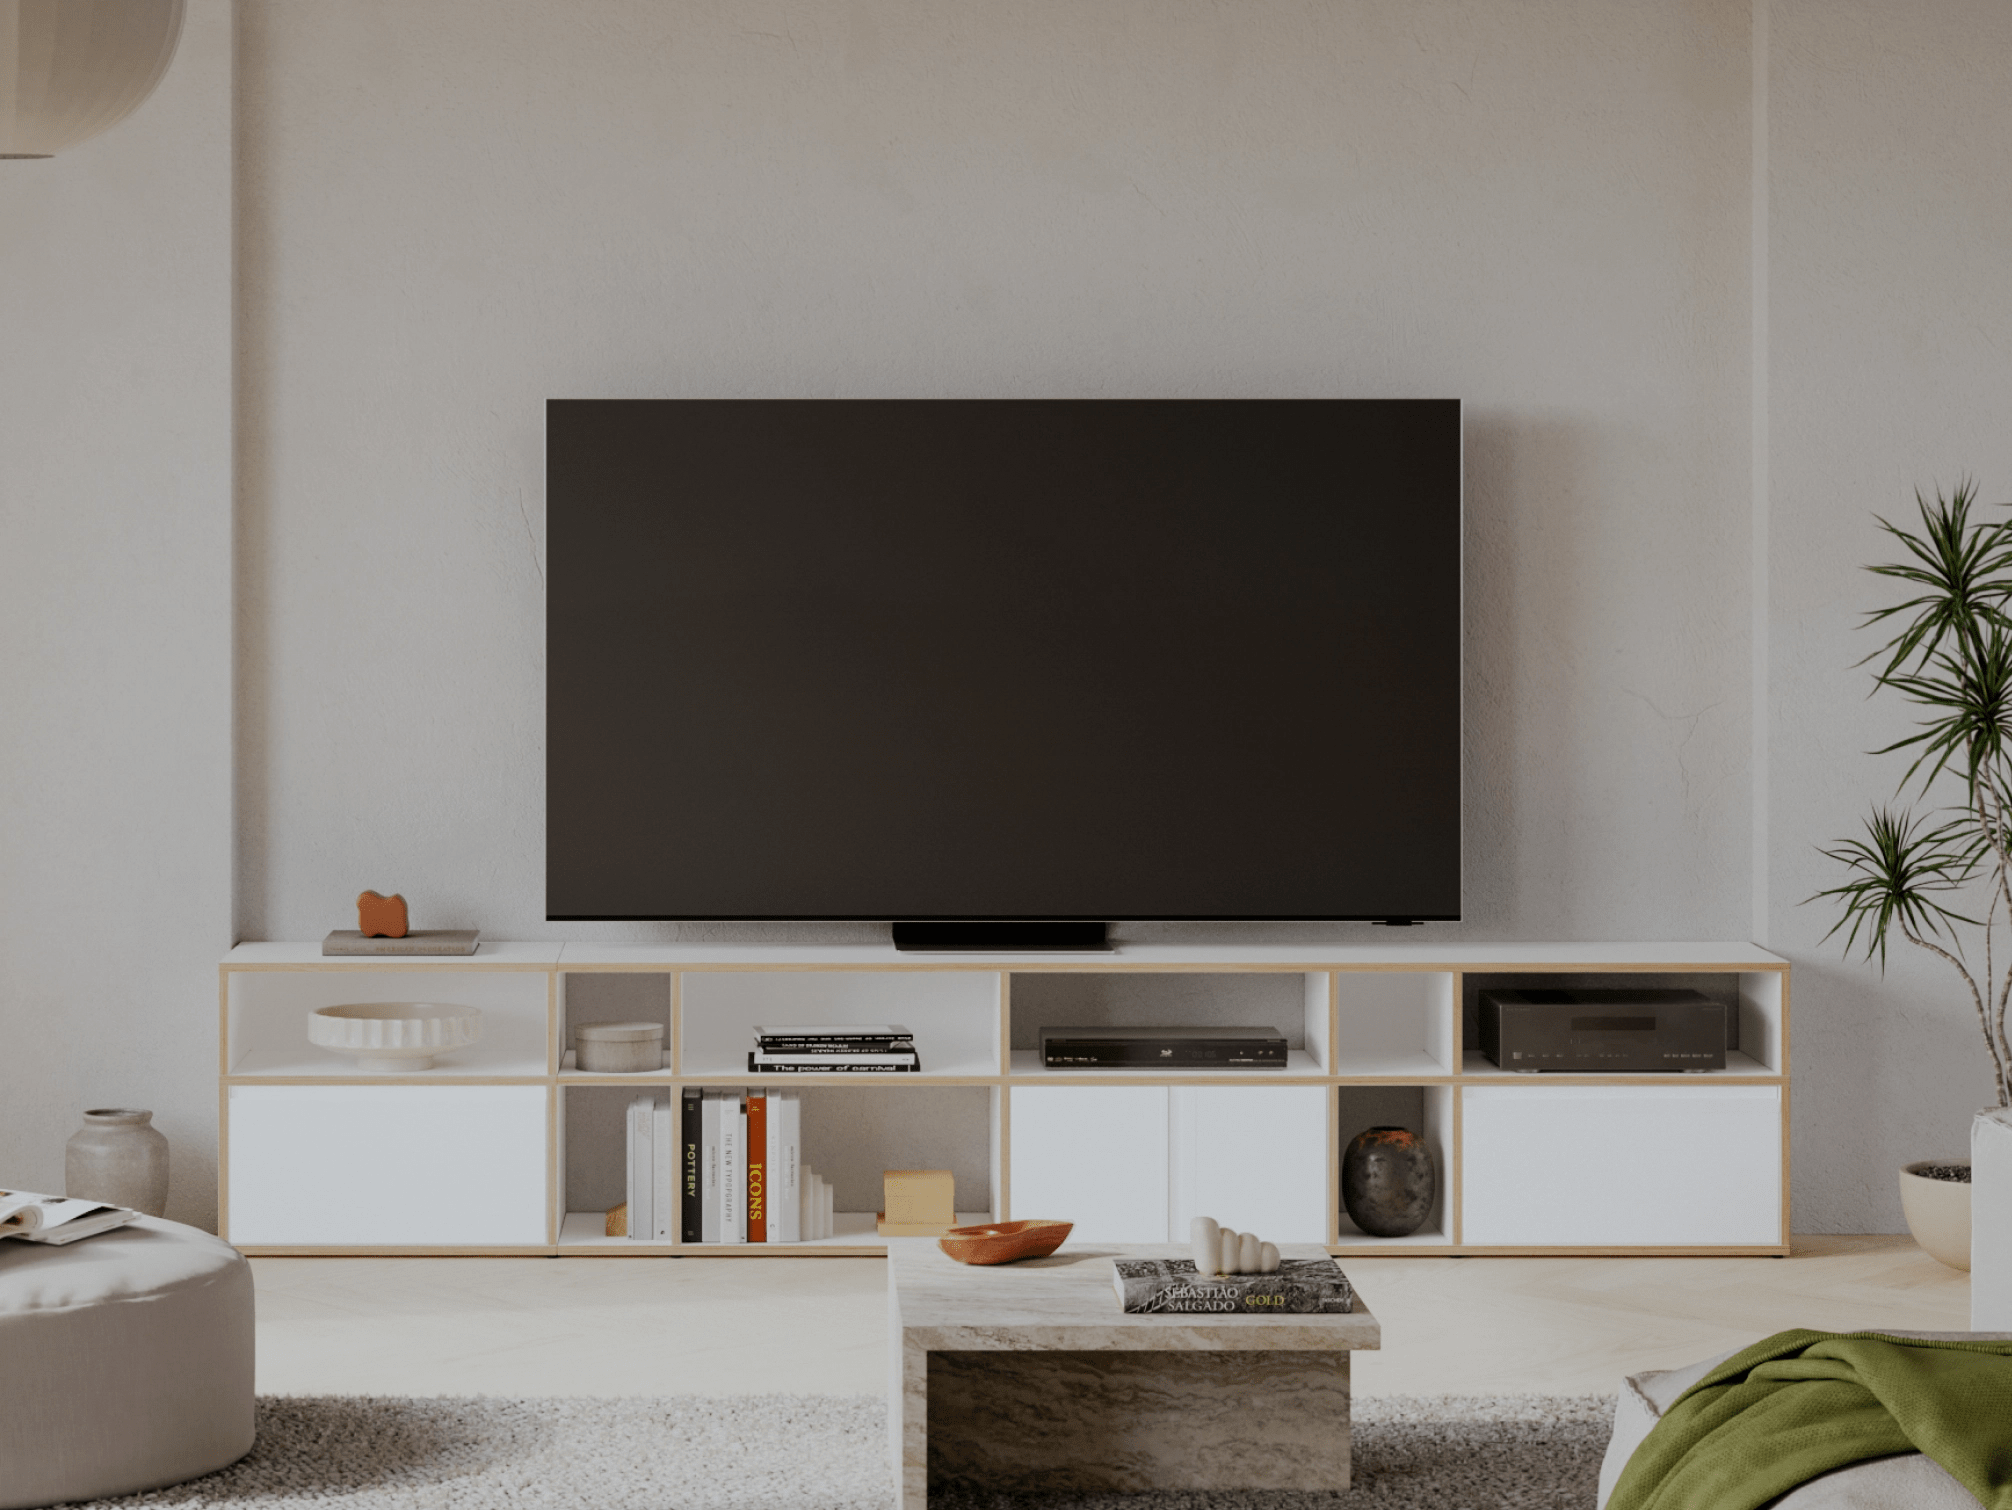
1388 1181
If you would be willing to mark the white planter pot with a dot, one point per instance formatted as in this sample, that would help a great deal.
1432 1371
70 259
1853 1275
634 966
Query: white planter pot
1938 1212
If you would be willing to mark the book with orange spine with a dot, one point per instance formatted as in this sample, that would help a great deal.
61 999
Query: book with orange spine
757 1157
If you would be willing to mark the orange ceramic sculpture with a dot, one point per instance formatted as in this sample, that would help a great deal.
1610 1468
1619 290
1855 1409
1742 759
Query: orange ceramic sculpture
380 917
1003 1242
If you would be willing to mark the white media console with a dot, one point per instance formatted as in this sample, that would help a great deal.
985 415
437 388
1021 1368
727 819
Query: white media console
506 1147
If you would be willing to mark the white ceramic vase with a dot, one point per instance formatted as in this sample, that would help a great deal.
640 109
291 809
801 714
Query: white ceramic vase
1938 1212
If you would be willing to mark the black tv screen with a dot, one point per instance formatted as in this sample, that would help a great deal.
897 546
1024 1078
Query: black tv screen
1045 659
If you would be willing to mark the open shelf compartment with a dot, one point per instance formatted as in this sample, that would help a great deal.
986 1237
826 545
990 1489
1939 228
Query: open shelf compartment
587 997
266 1013
1294 1003
953 1014
852 1134
1756 1017
1395 1024
1424 1109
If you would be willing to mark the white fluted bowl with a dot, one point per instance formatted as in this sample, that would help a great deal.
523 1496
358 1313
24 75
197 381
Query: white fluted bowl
393 1037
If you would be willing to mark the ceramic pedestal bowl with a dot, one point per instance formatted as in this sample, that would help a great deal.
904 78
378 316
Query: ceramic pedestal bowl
393 1037
1003 1242
1938 1209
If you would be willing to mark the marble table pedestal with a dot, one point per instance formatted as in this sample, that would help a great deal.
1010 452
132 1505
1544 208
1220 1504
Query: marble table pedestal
1028 1377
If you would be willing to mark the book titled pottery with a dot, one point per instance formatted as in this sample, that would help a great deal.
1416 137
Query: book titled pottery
1299 1287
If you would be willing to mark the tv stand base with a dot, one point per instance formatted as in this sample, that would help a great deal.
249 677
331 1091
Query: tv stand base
1031 936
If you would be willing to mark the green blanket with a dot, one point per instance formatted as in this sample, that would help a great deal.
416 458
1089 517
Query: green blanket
1802 1403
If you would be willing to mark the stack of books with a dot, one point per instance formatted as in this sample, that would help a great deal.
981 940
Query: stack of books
874 1049
727 1168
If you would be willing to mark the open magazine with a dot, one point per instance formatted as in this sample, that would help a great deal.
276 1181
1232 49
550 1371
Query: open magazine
56 1219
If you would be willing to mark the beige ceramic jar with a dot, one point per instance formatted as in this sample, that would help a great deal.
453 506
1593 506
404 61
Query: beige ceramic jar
118 1157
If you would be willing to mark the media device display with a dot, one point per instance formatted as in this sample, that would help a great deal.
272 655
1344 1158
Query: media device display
978 659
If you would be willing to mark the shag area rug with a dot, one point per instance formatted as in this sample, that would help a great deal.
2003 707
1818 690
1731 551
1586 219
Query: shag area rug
816 1452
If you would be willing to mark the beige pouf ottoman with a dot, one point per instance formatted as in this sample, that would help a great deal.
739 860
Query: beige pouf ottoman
1907 1482
125 1362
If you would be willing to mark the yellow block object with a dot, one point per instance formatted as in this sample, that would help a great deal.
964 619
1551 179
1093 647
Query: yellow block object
919 1203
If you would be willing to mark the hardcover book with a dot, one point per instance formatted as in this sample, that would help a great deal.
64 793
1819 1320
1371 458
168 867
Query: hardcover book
1301 1287
785 1120
709 1167
663 1168
691 1221
733 1167
642 1176
832 1064
757 1162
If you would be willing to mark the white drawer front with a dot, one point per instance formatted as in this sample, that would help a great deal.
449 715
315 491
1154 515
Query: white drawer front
1621 1166
381 1165
1254 1157
1095 1155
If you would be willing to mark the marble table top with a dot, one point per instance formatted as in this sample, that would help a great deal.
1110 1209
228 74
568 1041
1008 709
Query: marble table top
1067 1302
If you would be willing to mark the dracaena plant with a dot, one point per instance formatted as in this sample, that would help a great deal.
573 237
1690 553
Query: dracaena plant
1949 652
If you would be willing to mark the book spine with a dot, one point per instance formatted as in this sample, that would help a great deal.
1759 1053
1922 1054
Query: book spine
860 1046
663 1167
771 1183
822 1060
786 1112
733 1170
642 1178
709 1192
756 1067
631 1196
691 1223
757 1205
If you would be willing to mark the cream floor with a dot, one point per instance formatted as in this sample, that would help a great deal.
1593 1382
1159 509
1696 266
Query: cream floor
575 1326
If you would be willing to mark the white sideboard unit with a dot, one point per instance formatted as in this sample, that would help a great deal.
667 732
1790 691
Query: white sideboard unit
507 1147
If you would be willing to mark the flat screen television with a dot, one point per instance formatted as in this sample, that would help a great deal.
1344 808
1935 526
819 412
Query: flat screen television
1003 670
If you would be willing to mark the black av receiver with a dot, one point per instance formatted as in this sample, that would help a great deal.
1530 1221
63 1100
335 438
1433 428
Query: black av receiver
1599 1031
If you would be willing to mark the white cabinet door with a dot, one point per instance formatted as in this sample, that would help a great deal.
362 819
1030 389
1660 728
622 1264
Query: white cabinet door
1621 1166
1254 1157
384 1165
1095 1155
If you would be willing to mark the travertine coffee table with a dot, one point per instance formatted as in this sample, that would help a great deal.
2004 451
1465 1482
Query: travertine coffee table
1028 1376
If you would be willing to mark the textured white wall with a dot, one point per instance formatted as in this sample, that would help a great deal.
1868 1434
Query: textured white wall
452 211
115 583
1890 314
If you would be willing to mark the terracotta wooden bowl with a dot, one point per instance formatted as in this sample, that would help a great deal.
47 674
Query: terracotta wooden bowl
1003 1242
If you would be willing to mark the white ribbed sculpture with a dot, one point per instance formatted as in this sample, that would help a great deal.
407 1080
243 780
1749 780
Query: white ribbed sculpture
70 69
1223 1250
393 1037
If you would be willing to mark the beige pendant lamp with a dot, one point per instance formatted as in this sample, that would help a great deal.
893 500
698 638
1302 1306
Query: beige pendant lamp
72 68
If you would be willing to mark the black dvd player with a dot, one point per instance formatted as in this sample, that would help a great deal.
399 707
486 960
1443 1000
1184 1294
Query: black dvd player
1590 1030
1163 1048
